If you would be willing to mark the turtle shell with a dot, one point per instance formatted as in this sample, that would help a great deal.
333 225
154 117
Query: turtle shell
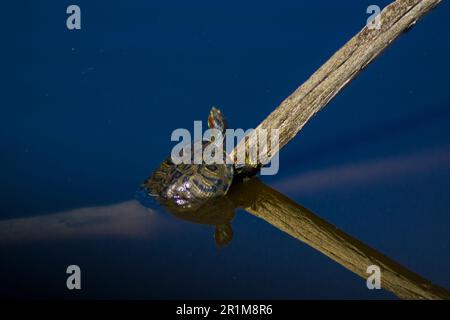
189 185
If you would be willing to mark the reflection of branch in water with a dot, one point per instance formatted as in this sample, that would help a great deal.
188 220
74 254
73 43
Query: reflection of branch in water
286 215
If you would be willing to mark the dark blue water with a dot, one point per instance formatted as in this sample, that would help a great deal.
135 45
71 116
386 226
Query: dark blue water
86 115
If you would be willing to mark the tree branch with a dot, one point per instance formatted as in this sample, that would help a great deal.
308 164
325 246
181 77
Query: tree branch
294 112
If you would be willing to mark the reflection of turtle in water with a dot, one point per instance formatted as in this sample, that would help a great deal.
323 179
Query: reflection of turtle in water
217 212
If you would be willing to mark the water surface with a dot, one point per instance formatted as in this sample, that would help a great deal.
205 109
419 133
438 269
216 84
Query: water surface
87 115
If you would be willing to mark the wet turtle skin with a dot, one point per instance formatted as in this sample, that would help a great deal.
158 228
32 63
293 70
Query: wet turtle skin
189 185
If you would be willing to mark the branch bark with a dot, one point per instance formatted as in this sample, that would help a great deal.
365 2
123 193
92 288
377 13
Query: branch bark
295 111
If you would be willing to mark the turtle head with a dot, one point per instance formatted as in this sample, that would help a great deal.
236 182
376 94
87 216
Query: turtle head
216 120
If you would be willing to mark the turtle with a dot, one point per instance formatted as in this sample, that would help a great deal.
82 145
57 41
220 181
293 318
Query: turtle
189 185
